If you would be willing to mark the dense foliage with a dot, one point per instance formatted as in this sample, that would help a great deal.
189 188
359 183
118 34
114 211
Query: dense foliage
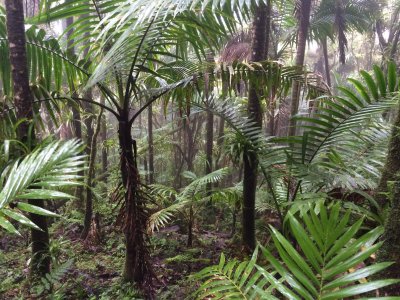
141 142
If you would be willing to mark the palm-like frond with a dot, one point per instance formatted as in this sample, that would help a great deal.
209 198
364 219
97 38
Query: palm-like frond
39 176
87 15
130 35
329 263
194 193
233 280
49 66
361 167
198 184
339 17
335 125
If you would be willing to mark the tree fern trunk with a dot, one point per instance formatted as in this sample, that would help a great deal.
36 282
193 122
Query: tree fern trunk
250 163
134 214
23 99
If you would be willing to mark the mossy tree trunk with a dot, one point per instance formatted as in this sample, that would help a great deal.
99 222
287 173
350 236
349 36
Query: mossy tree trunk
134 214
392 165
90 179
390 250
250 163
23 100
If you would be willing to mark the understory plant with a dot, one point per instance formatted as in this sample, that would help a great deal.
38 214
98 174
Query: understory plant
39 175
186 202
332 258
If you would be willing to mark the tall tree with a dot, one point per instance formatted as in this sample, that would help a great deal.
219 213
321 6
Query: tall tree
335 19
302 34
23 100
151 143
76 113
103 134
209 120
390 250
259 53
389 45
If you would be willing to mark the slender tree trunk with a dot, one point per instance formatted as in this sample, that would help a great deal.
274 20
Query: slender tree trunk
326 61
189 144
190 157
271 103
103 134
220 141
23 99
392 165
88 121
90 178
209 145
305 10
190 227
390 250
209 122
394 45
235 211
76 113
151 143
221 128
259 53
137 265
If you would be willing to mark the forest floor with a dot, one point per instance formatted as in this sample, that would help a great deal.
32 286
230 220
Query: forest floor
94 271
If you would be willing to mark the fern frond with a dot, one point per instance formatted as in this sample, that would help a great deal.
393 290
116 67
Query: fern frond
233 280
39 176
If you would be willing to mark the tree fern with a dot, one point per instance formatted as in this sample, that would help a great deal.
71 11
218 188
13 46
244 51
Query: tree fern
193 194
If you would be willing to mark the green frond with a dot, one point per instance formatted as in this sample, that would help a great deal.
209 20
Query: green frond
49 65
198 184
233 280
39 176
329 257
333 131
327 264
193 194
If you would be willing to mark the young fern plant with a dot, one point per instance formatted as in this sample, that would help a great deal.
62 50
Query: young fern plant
329 262
39 175
186 203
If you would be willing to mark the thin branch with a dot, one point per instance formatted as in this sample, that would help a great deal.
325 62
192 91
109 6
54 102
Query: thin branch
78 99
